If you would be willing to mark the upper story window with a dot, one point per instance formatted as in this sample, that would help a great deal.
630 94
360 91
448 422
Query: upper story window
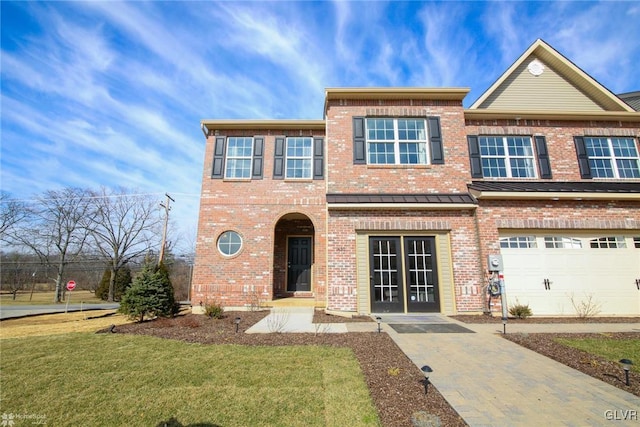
613 157
509 156
299 157
238 157
397 141
607 157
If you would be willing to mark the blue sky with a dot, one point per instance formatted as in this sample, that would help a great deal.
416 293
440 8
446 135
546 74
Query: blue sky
112 93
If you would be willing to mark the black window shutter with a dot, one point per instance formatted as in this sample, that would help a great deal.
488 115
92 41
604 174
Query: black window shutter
258 157
359 142
318 158
543 157
435 141
278 159
474 156
218 157
583 158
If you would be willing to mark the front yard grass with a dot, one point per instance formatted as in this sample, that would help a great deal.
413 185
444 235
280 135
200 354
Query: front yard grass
60 323
610 349
113 379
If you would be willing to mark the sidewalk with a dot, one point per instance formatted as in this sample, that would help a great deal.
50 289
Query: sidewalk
17 311
488 380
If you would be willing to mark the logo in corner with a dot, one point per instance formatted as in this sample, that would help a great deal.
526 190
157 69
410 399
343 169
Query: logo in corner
7 420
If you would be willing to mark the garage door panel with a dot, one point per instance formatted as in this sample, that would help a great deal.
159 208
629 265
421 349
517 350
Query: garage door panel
605 275
546 304
520 273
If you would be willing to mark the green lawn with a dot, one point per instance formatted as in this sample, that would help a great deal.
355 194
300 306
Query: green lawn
610 349
118 380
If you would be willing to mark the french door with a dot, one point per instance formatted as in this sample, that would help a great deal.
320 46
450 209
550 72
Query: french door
386 275
403 274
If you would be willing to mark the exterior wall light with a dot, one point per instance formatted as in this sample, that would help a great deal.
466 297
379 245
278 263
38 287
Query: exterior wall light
426 371
237 322
626 365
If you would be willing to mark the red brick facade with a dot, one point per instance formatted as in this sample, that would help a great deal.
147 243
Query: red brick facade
266 212
263 211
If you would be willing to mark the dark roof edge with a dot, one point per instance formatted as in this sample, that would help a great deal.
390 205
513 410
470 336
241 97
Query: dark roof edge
398 198
555 186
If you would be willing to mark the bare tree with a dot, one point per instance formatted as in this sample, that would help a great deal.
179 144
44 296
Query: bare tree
12 212
56 229
125 226
15 271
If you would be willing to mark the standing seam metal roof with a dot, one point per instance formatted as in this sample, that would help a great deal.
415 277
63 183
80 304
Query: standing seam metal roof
461 198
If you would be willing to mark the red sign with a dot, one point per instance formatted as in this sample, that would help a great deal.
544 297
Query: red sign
71 285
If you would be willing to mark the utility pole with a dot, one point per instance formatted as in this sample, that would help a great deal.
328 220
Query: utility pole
167 208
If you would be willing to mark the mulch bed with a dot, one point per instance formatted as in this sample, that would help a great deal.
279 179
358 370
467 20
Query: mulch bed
395 383
595 366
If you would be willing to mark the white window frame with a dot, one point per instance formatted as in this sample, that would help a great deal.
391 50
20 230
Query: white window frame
232 173
608 242
507 157
299 158
560 242
597 171
421 142
229 243
518 242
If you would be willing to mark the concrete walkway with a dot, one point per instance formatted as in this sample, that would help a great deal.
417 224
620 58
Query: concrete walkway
488 380
294 319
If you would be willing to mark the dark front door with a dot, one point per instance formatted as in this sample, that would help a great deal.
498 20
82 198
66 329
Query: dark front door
386 275
299 264
421 276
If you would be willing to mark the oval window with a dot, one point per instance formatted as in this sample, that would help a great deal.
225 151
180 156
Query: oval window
229 243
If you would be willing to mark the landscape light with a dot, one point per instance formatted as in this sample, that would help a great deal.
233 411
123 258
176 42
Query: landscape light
237 322
378 319
626 365
426 371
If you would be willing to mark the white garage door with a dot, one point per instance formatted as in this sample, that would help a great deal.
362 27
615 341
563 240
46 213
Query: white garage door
555 273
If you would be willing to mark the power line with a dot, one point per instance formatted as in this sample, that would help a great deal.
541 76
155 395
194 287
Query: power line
36 199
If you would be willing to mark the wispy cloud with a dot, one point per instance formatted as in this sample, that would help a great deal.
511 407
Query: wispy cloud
112 93
447 49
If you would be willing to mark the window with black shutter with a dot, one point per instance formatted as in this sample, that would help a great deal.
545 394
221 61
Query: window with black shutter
607 157
397 141
510 156
238 157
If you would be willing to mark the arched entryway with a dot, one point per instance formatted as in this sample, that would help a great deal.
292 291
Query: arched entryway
294 255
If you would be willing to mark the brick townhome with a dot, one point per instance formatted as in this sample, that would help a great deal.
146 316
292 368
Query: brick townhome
395 200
